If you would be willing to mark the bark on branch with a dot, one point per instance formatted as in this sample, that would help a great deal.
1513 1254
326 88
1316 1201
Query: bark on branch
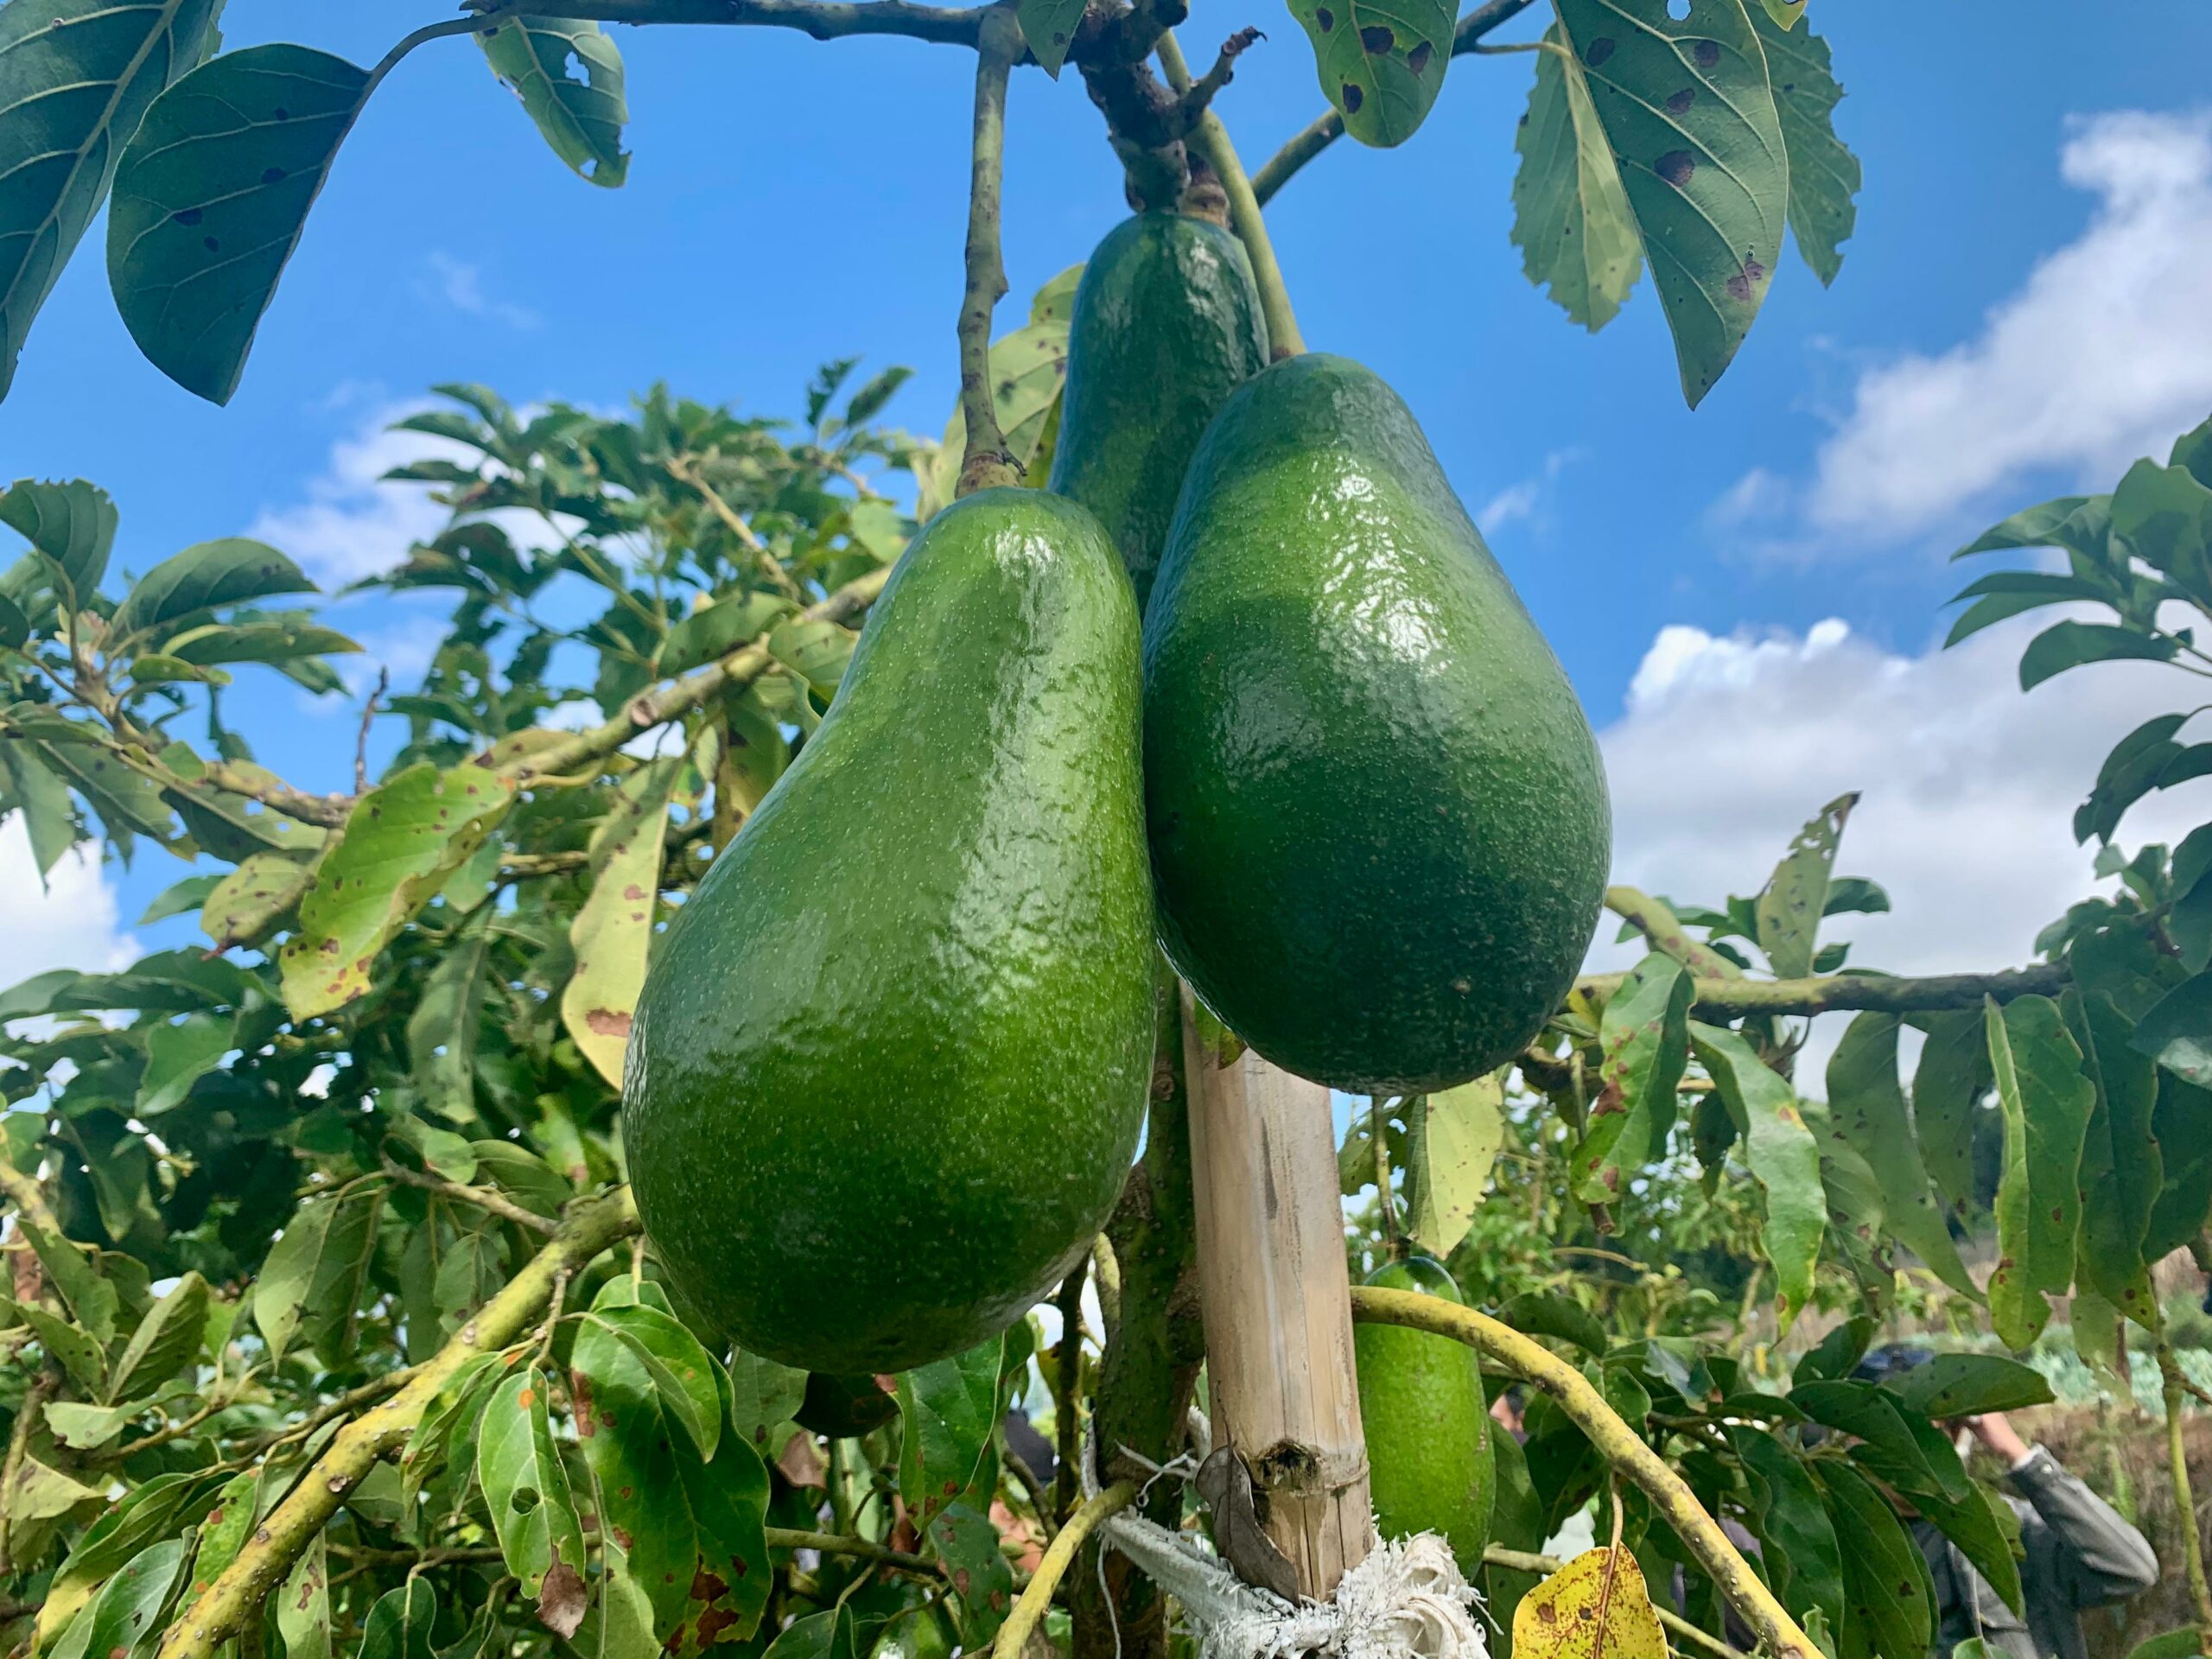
1856 993
986 462
824 20
1616 1442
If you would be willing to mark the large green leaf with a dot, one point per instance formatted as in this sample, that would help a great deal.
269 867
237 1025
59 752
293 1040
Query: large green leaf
968 1543
72 525
1453 1138
2122 1171
1800 1552
1966 1385
1898 1444
580 115
167 1339
1890 1601
950 1408
126 1617
2046 1103
253 899
1795 897
2178 1031
324 1242
1824 175
303 1605
612 931
1571 219
2064 645
1381 62
1867 1103
139 1518
75 79
400 843
1783 1157
227 572
31 787
680 1371
210 199
1947 1089
1691 118
399 1626
178 1056
526 1489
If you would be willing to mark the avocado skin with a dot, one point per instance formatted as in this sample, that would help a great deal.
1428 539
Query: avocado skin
1428 1428
1166 324
1380 830
889 1061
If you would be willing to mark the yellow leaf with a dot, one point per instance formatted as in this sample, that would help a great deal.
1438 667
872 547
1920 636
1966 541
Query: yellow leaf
1595 1607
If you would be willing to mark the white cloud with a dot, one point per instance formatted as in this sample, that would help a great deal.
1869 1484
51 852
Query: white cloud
1523 500
70 923
1728 744
2103 354
460 285
353 524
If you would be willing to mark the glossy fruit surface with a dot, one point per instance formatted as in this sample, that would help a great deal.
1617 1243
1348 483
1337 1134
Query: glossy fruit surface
1379 823
1428 1428
1166 325
891 1059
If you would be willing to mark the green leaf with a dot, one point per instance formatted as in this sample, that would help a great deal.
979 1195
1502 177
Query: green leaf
968 1543
1381 62
1886 1587
1783 1157
2046 1103
1453 1138
2184 1643
126 800
1571 219
612 932
680 1371
225 1526
180 899
1547 1314
1866 1105
1968 1385
1643 1037
1800 1551
287 641
2164 515
252 901
817 650
203 577
442 1032
91 1298
949 1409
1691 117
167 1340
398 1626
456 1406
582 115
29 786
719 629
80 1355
764 1395
38 1493
1977 1525
2177 1032
125 1618
2122 1171
140 1517
87 1428
311 1270
211 196
401 842
1946 1089
826 1635
178 1056
2070 644
622 1625
1796 895
526 1488
1824 175
303 1605
1049 28
73 524
69 97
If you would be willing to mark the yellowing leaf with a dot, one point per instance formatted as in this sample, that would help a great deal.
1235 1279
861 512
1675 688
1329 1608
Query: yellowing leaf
613 931
1595 1607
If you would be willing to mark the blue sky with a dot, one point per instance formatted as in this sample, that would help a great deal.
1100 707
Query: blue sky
1746 597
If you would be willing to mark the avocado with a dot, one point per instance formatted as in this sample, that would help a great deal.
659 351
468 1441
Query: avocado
844 1407
890 1060
1379 823
1428 1429
1166 324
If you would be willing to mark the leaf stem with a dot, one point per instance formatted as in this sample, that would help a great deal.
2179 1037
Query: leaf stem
986 462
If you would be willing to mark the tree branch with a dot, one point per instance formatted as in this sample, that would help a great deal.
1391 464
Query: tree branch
1200 94
1616 1442
1658 924
1212 140
839 1543
823 20
986 462
1329 126
235 1598
1029 1611
1856 993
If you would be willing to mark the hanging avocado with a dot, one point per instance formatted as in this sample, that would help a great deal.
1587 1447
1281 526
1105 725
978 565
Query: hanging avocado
1428 1428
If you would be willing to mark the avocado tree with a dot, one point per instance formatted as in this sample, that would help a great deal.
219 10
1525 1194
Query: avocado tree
332 1325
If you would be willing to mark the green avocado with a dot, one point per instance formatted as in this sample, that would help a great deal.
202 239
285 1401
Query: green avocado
1166 324
889 1064
1379 825
1428 1429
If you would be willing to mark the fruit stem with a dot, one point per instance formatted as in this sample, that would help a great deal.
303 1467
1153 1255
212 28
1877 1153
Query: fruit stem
1378 1128
985 461
1213 140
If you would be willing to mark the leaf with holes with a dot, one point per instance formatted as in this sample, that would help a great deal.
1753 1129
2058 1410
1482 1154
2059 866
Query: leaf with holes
1691 117
401 842
613 929
1049 27
1824 175
1783 1157
582 114
1643 1038
211 196
2123 1169
1597 1603
2046 1101
1867 1103
70 96
526 1488
1453 1138
1795 897
1571 219
1381 62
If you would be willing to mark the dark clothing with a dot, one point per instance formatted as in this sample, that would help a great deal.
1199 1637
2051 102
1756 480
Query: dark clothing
2077 1553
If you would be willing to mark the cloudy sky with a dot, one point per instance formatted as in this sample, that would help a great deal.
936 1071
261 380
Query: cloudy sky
1748 597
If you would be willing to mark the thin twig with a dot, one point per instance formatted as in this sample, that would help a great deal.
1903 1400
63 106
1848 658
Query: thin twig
1199 95
1040 1501
344 1405
168 1431
368 719
823 19
1029 1610
985 462
682 473
483 1197
838 1543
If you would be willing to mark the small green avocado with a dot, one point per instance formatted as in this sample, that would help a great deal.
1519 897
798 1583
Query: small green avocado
1168 323
889 1061
1428 1429
1380 830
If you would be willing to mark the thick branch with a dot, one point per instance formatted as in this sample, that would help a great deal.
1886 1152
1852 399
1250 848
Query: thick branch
986 462
1617 1443
1326 128
1029 1611
1856 993
1211 141
824 20
235 1598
